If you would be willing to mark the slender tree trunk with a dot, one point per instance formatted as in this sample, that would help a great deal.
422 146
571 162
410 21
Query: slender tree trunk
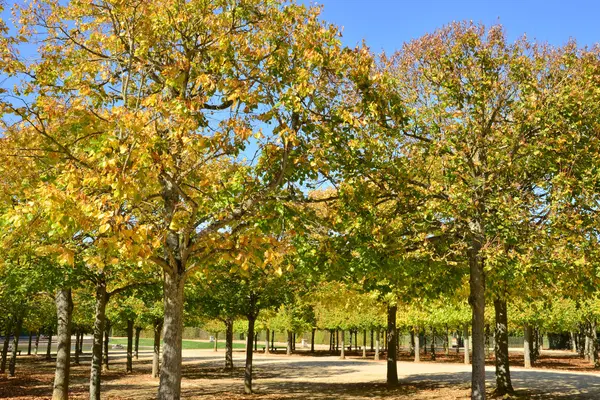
229 344
288 349
249 354
356 339
337 340
29 344
343 345
157 328
364 349
466 344
49 346
256 341
392 368
37 342
129 367
433 344
64 312
573 342
371 339
417 338
447 341
216 345
99 322
294 341
105 364
7 333
412 343
77 349
594 344
527 345
477 301
377 345
268 334
312 340
81 342
273 340
503 381
136 353
15 347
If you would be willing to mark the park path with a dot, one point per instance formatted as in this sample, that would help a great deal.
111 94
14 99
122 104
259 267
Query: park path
304 377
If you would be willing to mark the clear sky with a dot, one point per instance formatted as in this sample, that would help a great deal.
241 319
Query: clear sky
386 24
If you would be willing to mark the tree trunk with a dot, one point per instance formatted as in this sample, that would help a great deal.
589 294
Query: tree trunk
81 342
29 344
371 339
412 343
99 322
64 312
477 302
364 349
527 345
158 325
294 341
228 344
417 345
288 348
105 364
7 333
392 368
433 344
216 345
15 346
573 342
267 335
312 340
77 349
49 346
273 340
466 344
447 341
594 344
425 341
503 381
356 339
377 336
256 341
343 345
129 367
136 353
337 340
249 354
37 343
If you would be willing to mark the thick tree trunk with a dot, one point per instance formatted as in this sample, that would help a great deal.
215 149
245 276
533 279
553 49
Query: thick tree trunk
392 370
267 336
129 367
249 354
527 345
467 360
158 325
343 345
99 322
136 353
229 344
49 346
288 349
364 348
477 302
312 340
29 344
7 333
37 343
105 364
15 347
417 339
64 312
503 381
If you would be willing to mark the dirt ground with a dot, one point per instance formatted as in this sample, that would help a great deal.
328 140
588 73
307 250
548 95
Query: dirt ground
558 375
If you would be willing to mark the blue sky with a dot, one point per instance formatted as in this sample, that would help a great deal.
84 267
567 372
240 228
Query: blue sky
386 24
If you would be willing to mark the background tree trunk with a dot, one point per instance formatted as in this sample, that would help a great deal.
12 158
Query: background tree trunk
49 346
503 381
129 367
99 322
364 349
77 349
417 339
527 345
343 346
377 336
466 344
7 333
392 370
15 347
267 336
37 342
136 352
105 364
229 344
158 325
29 343
312 340
288 350
64 312
249 354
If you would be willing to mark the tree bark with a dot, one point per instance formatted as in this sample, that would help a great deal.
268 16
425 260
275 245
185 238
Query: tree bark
7 333
49 346
216 345
136 353
256 341
364 349
81 342
273 340
105 364
573 342
98 333
433 344
594 344
64 312
267 336
77 349
417 338
371 339
527 345
288 350
249 355
467 360
392 367
29 344
37 343
343 346
377 336
158 325
477 302
129 367
503 381
15 347
228 344
312 340
294 341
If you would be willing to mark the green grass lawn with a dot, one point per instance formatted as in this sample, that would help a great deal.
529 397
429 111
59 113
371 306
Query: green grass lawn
187 344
